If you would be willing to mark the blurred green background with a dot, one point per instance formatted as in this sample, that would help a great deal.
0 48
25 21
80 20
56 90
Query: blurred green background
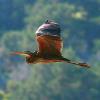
80 24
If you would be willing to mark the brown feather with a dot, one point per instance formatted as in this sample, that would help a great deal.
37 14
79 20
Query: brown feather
49 45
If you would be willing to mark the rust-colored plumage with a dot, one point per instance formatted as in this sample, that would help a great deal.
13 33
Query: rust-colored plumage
49 46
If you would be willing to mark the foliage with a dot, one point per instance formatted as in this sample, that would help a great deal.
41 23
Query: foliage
80 23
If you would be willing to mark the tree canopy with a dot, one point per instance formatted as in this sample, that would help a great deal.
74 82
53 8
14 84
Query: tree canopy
80 24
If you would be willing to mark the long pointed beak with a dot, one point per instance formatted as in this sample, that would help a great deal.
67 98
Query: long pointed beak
21 54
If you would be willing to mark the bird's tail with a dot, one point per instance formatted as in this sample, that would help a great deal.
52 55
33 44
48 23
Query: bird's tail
76 63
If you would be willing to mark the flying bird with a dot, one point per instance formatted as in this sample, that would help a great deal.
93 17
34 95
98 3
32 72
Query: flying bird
49 46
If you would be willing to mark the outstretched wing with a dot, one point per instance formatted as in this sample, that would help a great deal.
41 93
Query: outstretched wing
49 39
49 45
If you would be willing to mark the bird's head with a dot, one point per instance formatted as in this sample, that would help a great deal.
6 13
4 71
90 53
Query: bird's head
30 57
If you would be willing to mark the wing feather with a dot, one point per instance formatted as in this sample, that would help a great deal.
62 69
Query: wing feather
49 45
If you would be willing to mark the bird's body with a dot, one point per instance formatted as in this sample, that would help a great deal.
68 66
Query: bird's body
38 58
49 46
